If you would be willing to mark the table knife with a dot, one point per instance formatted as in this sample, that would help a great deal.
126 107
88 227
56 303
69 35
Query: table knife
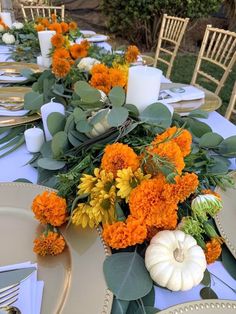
14 276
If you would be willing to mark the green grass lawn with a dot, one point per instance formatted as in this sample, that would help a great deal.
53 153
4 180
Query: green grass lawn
183 70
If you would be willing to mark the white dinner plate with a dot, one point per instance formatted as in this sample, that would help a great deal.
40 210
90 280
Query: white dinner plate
97 38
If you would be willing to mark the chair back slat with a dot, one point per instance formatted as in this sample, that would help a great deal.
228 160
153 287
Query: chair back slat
171 32
219 48
232 104
43 11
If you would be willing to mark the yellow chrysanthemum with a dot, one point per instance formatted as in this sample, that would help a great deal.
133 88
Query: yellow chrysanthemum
104 183
127 180
83 216
103 206
87 183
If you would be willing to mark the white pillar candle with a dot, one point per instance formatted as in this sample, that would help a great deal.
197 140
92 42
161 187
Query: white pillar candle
40 60
34 139
143 86
6 18
45 42
47 62
45 112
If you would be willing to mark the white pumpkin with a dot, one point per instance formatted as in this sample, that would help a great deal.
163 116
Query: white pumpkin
100 127
175 261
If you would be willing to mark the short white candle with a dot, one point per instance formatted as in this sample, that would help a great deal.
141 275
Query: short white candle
40 60
34 139
45 112
47 62
45 42
6 18
143 86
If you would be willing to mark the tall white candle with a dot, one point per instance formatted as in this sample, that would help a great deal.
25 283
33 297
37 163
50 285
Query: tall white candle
34 139
45 112
143 86
47 62
6 18
45 42
40 60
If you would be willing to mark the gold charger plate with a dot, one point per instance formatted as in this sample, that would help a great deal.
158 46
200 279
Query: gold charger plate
211 103
204 307
226 218
16 68
73 280
9 94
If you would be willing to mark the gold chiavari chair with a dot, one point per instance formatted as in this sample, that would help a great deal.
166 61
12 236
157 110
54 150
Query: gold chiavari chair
171 34
31 12
218 49
232 104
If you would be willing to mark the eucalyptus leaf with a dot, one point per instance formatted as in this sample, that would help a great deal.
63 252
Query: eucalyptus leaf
26 73
228 262
117 96
99 116
87 93
55 122
206 281
83 126
59 144
119 306
210 140
70 123
198 128
79 114
33 101
127 276
73 140
50 164
228 147
117 116
208 293
149 299
23 180
119 212
220 165
46 149
198 114
80 136
133 110
158 114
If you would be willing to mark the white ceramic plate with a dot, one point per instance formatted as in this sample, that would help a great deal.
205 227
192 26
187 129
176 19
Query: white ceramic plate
98 38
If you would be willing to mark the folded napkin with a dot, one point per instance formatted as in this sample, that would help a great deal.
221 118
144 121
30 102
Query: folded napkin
31 291
12 78
12 113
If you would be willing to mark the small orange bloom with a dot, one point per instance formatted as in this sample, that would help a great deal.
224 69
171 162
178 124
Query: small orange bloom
57 40
60 67
212 250
78 51
101 81
99 69
55 27
54 17
85 44
119 156
64 27
185 185
131 54
40 28
50 244
50 208
73 26
61 53
45 22
117 77
212 193
123 234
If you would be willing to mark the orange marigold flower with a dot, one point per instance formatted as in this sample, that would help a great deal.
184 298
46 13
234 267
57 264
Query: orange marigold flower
131 54
85 44
99 69
60 67
45 22
184 139
171 152
39 28
54 17
119 156
78 51
185 185
101 81
117 78
64 27
123 234
149 202
39 19
212 250
73 26
50 244
61 53
212 193
50 208
57 40
55 27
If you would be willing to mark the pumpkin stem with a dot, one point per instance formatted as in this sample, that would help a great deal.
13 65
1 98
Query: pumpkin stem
179 252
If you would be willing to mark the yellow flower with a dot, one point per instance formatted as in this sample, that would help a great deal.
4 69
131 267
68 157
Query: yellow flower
82 215
103 206
127 180
87 182
104 183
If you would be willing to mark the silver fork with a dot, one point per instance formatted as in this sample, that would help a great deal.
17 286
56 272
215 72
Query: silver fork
8 296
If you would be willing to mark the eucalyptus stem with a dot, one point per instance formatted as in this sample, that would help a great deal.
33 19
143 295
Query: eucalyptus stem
142 305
